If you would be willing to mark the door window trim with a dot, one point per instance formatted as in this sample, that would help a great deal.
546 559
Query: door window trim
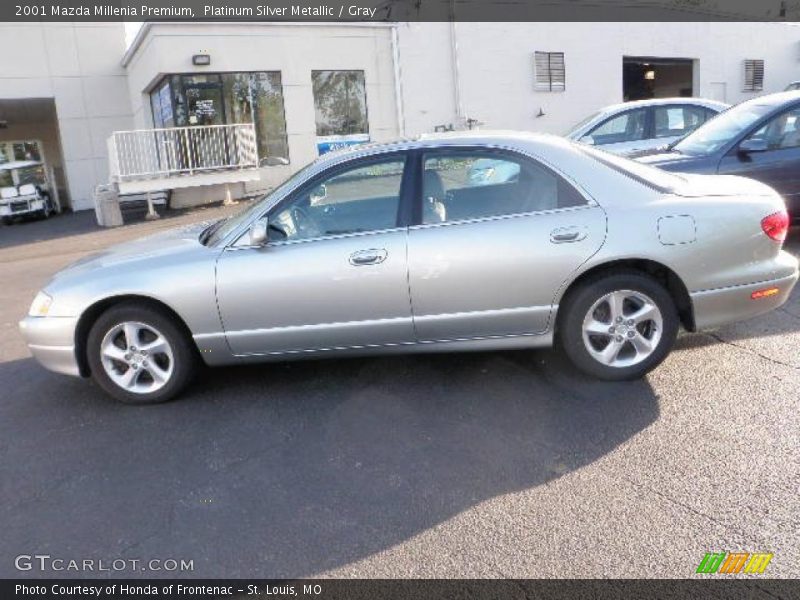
487 151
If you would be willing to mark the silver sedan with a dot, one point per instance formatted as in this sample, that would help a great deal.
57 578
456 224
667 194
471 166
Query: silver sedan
416 247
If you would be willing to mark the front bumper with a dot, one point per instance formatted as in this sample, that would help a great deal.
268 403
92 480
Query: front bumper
52 342
21 205
713 308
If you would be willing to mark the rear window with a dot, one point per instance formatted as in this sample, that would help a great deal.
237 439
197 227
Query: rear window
652 177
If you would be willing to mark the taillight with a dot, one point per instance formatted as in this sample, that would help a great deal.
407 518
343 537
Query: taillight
776 225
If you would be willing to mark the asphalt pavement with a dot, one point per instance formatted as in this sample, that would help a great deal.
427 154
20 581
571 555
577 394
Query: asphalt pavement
506 464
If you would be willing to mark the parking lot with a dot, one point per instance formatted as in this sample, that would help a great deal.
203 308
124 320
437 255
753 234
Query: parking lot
467 465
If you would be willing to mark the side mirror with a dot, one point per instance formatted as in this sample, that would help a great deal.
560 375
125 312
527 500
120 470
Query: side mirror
273 161
753 145
258 232
319 193
588 140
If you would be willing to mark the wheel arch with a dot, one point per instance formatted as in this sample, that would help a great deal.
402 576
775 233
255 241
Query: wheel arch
93 312
659 271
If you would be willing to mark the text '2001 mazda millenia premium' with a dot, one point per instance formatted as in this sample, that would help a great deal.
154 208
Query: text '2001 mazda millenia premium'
400 248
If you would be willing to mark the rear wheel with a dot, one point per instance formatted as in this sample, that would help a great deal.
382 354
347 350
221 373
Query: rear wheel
618 326
139 355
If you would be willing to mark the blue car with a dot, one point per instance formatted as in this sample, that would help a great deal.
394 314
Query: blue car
759 138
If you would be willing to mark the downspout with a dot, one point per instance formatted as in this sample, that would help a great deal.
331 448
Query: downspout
398 83
462 118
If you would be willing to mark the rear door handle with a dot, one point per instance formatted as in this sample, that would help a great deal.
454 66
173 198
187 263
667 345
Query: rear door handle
564 235
373 256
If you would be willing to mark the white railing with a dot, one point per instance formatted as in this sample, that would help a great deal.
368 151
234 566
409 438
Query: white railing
149 153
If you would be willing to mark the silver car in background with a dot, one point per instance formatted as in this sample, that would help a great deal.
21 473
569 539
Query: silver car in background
406 247
641 126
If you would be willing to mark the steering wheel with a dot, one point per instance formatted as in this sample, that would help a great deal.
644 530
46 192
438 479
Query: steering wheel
305 225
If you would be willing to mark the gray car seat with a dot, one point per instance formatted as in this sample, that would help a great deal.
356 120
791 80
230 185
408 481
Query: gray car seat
433 198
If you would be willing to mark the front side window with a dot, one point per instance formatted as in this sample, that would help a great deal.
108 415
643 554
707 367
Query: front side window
340 102
627 127
719 131
782 131
462 185
673 121
361 198
33 174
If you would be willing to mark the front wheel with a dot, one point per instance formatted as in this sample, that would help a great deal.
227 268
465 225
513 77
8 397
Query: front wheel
619 326
139 355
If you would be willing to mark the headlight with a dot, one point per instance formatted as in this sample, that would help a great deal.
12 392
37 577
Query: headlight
40 305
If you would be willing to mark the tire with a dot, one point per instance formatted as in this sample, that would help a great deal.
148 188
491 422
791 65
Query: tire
600 344
162 363
8 221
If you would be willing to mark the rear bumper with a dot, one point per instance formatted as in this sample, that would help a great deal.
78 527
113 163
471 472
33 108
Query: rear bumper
51 340
713 308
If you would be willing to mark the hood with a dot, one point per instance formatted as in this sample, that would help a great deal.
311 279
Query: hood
159 246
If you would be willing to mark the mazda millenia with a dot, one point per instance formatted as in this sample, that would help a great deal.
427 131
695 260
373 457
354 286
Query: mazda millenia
401 247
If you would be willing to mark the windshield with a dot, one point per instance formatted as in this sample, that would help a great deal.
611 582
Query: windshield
653 177
222 228
719 131
580 125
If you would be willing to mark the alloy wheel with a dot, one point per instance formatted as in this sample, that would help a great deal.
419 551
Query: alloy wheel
622 328
137 357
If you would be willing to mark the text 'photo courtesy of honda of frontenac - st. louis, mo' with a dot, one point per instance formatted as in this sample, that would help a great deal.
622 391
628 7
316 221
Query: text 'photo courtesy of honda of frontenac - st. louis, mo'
450 242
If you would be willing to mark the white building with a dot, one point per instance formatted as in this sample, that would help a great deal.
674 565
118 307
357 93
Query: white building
297 88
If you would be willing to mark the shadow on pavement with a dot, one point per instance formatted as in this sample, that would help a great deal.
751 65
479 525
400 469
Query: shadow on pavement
287 470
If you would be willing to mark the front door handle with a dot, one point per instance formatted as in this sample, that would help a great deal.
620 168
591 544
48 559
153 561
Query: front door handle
373 256
564 235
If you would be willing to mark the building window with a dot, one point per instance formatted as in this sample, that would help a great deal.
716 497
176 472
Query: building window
226 99
753 75
340 102
258 98
549 71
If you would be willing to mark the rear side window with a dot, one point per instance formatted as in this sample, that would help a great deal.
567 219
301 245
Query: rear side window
460 185
673 121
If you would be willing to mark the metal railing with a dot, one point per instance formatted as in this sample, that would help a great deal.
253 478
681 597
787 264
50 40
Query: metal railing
149 153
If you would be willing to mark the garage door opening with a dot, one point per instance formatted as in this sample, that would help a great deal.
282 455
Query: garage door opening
646 77
30 142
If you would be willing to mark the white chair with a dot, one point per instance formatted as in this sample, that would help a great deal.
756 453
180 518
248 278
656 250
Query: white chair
27 190
8 192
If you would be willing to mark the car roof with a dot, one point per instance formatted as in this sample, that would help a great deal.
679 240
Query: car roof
777 99
661 102
18 164
474 137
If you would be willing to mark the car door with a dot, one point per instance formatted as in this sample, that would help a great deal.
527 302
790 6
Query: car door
333 273
777 163
625 133
487 255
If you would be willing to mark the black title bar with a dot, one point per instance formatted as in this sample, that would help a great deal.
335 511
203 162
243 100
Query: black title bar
399 10
337 589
